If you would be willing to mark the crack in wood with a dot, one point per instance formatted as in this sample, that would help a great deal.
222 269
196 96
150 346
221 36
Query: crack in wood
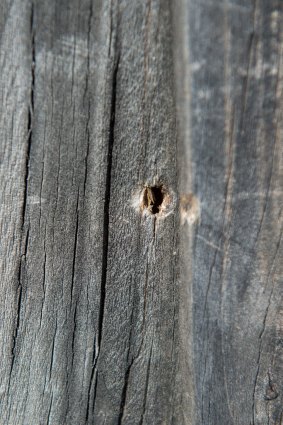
75 249
124 392
107 201
105 229
85 92
146 386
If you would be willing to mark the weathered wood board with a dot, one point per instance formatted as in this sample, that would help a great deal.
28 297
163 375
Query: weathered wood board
141 212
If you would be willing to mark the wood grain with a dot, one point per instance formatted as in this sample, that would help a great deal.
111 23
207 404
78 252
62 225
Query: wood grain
230 61
111 314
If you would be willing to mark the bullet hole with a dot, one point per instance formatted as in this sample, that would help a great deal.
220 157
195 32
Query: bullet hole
156 200
153 197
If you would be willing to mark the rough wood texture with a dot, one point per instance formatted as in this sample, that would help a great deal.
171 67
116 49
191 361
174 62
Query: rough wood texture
230 87
111 314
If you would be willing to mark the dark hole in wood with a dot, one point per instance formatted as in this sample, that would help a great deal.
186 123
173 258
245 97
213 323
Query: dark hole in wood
153 198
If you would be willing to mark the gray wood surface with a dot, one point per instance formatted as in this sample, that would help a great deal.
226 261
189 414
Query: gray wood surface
141 212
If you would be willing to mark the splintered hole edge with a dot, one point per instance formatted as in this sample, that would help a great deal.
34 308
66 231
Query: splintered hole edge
153 197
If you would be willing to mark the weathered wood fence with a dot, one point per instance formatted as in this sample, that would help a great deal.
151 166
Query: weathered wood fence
141 204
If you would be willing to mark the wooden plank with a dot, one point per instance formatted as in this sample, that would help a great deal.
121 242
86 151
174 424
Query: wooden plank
116 309
93 338
229 77
136 367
